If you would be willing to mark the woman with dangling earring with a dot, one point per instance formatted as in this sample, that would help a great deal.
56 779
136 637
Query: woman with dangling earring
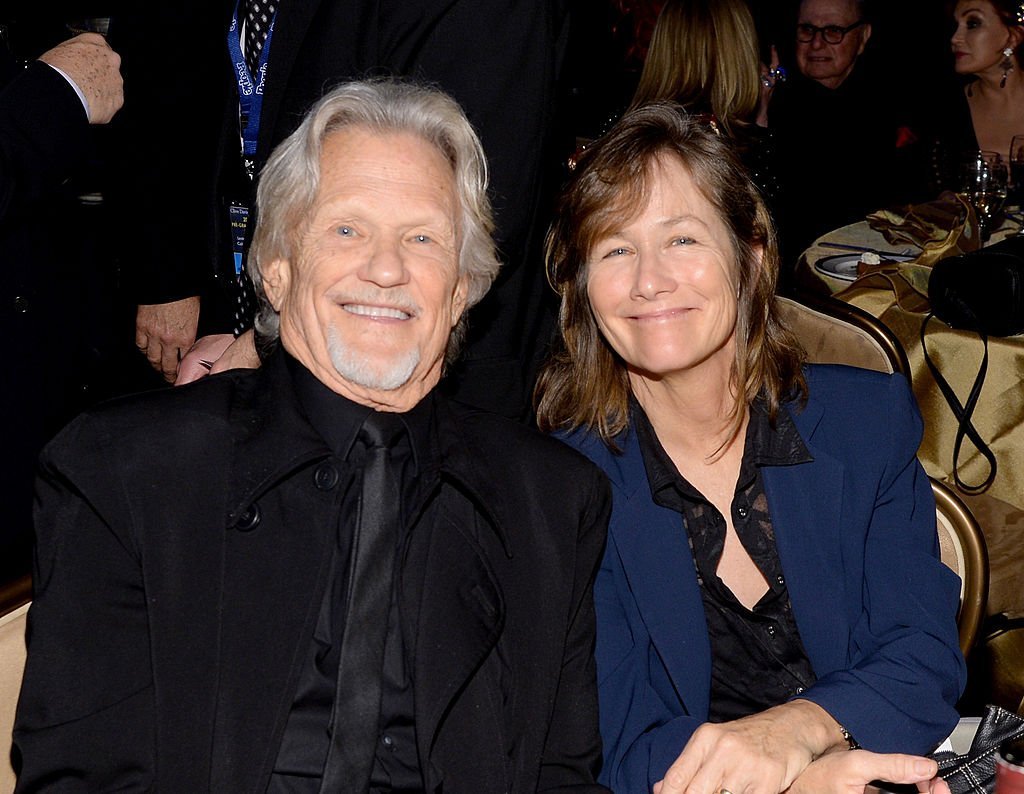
987 45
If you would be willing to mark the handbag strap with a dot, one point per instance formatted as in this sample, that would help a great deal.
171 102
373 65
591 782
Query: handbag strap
963 414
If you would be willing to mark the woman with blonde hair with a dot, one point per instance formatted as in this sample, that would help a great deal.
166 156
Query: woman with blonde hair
771 591
704 56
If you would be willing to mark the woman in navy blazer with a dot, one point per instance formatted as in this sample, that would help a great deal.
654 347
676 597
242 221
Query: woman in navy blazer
750 493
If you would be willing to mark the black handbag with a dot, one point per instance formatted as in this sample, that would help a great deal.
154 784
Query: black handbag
974 772
982 291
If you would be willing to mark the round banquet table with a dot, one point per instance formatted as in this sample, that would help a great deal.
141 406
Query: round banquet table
898 297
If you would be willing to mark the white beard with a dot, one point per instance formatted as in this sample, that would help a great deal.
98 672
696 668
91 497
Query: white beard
360 371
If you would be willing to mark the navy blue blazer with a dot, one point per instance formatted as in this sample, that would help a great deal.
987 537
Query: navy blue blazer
855 531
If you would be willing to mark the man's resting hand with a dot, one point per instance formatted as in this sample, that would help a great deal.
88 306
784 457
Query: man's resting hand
95 68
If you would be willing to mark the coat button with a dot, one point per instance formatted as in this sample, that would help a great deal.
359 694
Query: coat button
742 511
325 477
249 519
21 304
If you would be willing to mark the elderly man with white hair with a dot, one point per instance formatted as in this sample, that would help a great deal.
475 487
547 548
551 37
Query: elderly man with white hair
320 575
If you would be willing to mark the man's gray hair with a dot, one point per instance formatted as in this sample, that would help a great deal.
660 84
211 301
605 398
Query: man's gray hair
290 181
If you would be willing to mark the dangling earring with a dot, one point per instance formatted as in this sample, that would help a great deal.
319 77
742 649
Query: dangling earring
1007 65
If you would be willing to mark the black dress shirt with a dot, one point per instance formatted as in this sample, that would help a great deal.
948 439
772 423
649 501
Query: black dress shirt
757 657
306 739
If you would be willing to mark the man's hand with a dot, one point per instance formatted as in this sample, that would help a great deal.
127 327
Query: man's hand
218 353
165 331
849 773
95 68
760 754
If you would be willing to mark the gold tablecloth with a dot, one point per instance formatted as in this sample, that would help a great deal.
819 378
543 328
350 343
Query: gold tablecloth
899 299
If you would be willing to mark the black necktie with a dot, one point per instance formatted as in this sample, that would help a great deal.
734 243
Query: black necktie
245 300
371 567
258 16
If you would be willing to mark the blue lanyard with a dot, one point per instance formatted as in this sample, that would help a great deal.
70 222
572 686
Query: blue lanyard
250 92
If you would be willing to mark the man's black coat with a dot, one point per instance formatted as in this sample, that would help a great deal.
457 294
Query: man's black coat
183 543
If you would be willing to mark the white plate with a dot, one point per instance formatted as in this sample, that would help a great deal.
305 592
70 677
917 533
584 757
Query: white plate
844 266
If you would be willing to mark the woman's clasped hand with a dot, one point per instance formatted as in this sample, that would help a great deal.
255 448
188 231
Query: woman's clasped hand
849 773
764 753
777 751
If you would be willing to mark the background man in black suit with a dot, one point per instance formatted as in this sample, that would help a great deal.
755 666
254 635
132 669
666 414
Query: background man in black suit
843 143
45 113
499 60
321 573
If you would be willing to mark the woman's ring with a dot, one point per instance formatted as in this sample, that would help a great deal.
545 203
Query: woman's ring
724 791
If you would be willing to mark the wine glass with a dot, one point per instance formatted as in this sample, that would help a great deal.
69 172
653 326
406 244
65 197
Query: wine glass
983 182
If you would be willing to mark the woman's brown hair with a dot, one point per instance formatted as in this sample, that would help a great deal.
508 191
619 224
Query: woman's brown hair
1011 12
585 384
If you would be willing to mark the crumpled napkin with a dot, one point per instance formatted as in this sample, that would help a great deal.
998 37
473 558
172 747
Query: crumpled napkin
945 227
907 281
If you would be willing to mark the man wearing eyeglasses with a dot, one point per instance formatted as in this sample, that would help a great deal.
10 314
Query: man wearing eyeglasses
843 146
830 36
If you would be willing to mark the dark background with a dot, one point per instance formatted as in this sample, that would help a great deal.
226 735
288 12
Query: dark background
909 49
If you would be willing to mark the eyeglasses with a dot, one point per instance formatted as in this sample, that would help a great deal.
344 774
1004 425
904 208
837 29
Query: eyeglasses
831 34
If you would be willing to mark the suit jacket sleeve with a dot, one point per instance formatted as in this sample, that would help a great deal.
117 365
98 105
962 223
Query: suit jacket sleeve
572 750
43 135
167 138
906 671
85 716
